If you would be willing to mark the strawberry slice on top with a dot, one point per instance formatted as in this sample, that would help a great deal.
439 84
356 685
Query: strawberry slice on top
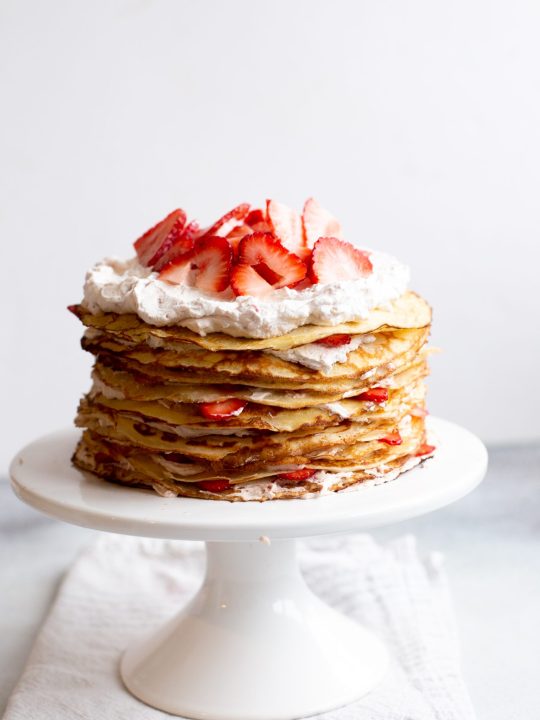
175 246
236 235
230 220
318 222
166 231
207 266
286 224
264 264
254 217
333 259
257 221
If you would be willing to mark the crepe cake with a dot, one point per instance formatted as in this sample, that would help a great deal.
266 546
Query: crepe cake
261 358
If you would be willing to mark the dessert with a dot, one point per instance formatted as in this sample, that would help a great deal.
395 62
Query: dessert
264 357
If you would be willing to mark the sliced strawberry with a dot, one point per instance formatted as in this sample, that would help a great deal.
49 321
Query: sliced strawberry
375 395
207 266
418 411
334 259
257 222
236 235
226 223
245 280
214 486
149 244
239 232
297 475
393 438
425 449
182 244
318 222
265 265
286 224
222 409
261 227
192 229
335 340
254 217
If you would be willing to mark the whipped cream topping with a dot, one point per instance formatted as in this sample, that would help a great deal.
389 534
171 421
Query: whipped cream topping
126 286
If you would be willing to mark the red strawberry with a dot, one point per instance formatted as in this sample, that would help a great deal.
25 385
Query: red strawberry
418 411
237 234
167 230
254 217
245 280
375 395
265 265
318 222
297 475
214 486
226 223
335 340
334 259
179 246
393 438
222 409
256 221
425 449
207 266
286 224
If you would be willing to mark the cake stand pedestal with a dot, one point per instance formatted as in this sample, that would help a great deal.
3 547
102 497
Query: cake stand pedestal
254 643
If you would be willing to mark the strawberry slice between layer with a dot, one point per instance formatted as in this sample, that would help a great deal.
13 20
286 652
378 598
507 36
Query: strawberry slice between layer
335 340
286 224
375 395
222 409
318 222
393 438
297 475
425 449
215 486
165 231
264 264
333 260
207 266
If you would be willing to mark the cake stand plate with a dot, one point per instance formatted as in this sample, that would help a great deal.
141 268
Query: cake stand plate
254 643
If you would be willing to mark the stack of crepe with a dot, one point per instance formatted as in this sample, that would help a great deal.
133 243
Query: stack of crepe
302 431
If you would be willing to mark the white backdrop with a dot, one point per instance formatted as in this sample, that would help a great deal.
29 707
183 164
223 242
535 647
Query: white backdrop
415 122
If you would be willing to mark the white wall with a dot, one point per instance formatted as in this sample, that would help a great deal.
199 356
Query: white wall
416 122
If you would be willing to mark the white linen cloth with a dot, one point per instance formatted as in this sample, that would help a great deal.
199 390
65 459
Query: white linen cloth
121 586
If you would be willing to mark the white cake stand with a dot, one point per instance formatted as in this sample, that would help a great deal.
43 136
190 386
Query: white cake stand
254 643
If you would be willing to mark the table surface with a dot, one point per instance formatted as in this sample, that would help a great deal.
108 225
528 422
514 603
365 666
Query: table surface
490 541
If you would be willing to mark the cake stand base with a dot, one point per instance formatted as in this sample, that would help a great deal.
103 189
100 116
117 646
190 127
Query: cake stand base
254 643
